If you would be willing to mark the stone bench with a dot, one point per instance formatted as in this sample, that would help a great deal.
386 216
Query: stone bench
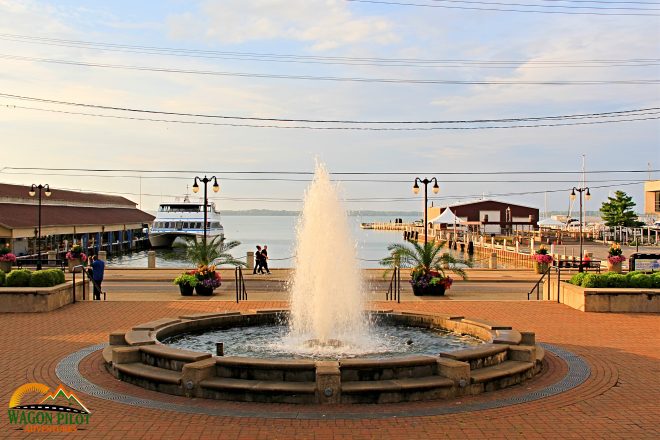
396 390
386 369
169 358
139 370
223 388
480 356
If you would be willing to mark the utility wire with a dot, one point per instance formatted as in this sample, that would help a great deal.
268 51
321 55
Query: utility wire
528 11
352 127
555 6
338 173
349 61
330 78
610 114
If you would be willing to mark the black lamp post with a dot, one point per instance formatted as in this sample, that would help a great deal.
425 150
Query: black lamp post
587 196
33 192
195 189
436 188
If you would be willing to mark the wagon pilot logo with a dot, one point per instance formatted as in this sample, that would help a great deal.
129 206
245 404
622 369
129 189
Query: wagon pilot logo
46 411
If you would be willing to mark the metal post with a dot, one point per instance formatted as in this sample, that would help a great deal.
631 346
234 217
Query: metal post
39 235
426 203
580 267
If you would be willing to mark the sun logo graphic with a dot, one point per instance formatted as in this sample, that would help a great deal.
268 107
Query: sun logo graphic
57 411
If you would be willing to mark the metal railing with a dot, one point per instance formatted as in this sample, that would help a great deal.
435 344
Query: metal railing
394 290
45 262
82 269
241 292
537 286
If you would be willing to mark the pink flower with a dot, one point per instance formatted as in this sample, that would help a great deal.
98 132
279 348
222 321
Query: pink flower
616 259
543 258
9 257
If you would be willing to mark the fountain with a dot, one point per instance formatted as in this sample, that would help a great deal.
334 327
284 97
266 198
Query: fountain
326 348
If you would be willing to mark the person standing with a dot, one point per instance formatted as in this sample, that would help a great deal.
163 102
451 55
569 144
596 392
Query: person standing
264 259
257 261
98 269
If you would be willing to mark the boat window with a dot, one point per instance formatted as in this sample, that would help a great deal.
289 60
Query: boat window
185 225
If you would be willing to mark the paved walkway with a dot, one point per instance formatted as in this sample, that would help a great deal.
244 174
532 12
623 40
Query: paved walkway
619 400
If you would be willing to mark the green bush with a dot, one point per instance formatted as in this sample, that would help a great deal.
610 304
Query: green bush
629 275
640 280
616 280
57 276
2 278
656 280
577 278
18 278
41 278
590 280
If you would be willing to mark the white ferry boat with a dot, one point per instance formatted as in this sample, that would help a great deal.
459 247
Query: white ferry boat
184 219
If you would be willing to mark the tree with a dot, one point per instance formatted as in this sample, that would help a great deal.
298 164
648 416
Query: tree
214 251
619 211
423 258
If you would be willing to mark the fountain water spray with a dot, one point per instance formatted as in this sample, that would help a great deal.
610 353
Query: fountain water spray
327 298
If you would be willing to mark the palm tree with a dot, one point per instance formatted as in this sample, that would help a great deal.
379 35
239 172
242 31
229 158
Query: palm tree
214 251
423 259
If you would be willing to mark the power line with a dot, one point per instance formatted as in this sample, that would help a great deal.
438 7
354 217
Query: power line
338 173
329 78
528 11
352 127
555 6
610 114
328 60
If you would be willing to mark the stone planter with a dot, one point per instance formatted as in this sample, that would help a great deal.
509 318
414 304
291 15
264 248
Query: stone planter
615 267
541 267
186 289
74 262
437 290
203 291
5 266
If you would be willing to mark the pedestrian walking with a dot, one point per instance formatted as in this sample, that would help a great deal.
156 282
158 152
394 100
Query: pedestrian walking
98 269
264 259
258 267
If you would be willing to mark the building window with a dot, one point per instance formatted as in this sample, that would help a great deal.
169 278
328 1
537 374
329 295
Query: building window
657 201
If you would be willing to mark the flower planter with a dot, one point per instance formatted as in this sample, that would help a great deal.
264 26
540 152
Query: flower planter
203 291
615 267
541 267
5 266
186 289
74 262
431 290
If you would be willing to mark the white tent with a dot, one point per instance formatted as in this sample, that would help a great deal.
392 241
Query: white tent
446 218
550 223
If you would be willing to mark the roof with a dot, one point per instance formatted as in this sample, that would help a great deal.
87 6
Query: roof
474 202
447 217
10 191
15 215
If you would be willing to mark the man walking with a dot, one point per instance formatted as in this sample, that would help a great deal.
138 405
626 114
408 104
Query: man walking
264 260
257 261
98 268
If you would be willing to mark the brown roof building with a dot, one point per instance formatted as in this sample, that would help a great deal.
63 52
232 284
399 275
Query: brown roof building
491 216
66 213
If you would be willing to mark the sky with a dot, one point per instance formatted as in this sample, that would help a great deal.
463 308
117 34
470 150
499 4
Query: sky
327 39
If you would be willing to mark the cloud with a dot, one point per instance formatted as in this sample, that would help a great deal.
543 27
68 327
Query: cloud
325 24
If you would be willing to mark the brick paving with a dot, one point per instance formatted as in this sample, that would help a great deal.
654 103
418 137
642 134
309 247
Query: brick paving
619 400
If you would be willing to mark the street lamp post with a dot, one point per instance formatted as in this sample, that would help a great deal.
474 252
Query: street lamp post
195 189
33 191
587 196
436 188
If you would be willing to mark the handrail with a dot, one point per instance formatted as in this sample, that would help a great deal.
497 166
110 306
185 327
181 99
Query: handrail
394 290
241 292
537 286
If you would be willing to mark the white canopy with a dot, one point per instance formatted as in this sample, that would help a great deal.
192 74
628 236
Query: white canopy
550 223
447 218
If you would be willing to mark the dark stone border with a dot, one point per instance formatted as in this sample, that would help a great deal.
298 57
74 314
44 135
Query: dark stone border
67 371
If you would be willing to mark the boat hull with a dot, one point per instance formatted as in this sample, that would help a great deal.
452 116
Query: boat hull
166 239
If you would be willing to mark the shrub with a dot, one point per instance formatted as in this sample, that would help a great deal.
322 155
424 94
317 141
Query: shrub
57 275
640 280
616 280
2 278
41 278
577 278
629 275
656 280
589 280
18 278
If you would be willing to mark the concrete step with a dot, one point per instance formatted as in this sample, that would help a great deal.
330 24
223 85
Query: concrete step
258 386
396 385
139 370
503 370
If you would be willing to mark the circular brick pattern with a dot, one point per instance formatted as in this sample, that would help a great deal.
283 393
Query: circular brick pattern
68 372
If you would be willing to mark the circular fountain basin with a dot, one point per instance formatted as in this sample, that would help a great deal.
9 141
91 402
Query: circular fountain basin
273 341
489 357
